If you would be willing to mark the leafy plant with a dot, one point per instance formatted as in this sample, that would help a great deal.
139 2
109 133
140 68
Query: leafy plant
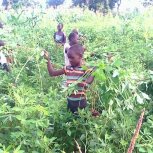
33 113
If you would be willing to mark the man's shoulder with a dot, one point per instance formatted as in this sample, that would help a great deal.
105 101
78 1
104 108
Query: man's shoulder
63 33
66 45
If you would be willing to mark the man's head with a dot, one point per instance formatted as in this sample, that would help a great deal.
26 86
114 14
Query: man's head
75 54
75 31
60 26
73 38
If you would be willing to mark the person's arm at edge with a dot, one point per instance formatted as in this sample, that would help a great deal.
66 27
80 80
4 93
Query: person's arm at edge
51 70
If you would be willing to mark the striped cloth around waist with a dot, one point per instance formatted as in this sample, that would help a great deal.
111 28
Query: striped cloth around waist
75 76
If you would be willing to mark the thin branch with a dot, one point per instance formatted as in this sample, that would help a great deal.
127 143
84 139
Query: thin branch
78 146
136 134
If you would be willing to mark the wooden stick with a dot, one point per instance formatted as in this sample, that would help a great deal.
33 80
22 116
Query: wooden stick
136 133
79 148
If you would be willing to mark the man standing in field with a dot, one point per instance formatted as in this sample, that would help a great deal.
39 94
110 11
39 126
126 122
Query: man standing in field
59 36
75 75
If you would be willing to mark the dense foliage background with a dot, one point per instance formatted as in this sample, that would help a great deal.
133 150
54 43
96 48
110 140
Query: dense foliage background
33 114
102 6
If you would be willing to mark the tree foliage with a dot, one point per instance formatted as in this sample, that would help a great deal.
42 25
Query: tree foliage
97 4
79 2
15 3
112 3
147 3
55 3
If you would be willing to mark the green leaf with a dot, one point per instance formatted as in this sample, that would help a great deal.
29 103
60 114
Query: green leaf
118 63
111 102
115 73
139 99
145 96
69 132
142 150
82 137
149 150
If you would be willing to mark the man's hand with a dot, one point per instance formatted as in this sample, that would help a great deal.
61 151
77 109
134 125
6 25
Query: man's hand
51 70
46 55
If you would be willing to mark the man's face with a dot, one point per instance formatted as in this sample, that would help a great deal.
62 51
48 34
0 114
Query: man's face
75 39
59 27
74 58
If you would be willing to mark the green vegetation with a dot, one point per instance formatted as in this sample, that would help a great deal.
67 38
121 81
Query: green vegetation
102 5
33 114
